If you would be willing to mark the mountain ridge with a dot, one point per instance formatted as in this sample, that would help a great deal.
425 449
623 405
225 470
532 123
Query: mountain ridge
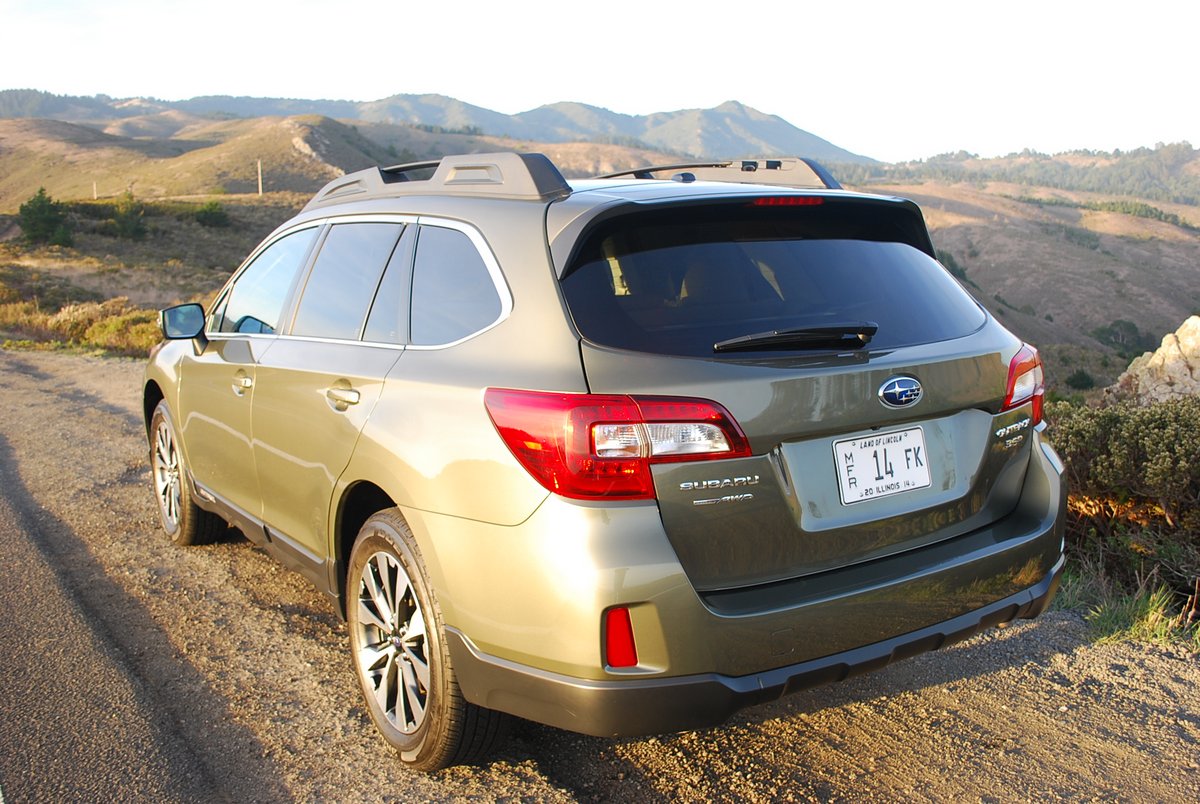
730 130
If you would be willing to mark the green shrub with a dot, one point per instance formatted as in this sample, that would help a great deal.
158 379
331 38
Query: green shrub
1134 477
212 214
113 325
132 332
44 220
1081 380
1133 524
127 219
1125 337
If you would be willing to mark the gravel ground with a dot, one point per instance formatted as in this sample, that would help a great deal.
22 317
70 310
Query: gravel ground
241 671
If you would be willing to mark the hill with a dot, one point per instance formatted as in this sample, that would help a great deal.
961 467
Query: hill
1166 173
68 159
728 131
173 153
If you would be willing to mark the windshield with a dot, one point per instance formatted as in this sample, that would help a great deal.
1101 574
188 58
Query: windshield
680 281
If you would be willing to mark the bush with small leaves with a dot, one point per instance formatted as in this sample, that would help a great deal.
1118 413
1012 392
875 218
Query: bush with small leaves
44 220
212 214
1081 380
126 221
1134 479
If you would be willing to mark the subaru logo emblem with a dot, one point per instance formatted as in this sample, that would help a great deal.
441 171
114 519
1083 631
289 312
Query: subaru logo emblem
900 392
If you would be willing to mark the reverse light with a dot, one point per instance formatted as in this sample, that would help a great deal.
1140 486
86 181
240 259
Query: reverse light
592 446
619 648
1025 382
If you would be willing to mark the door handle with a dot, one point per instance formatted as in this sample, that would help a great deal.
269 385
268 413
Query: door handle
242 383
342 398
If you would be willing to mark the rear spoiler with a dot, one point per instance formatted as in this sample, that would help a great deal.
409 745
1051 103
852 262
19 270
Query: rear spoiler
791 171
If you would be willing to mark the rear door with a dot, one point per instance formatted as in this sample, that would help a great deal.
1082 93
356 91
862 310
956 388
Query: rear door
861 450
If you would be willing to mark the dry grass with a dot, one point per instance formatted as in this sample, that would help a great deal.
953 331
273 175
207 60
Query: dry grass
113 326
104 293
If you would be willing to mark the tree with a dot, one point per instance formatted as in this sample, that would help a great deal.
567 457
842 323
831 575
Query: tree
44 220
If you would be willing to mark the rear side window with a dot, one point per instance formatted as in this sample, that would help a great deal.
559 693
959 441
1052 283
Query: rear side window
344 278
453 293
679 281
256 300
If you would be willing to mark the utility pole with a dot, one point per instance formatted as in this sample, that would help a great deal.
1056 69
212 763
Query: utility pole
95 195
260 177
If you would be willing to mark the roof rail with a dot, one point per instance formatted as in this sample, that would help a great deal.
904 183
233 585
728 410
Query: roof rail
527 177
787 171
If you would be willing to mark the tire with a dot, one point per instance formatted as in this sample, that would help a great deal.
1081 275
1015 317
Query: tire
184 522
398 646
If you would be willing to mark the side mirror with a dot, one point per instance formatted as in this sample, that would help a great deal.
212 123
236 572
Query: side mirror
184 322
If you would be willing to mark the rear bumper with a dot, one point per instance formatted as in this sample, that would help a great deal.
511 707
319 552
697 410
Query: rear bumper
640 706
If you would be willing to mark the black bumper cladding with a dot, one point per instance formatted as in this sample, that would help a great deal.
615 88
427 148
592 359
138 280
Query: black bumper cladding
655 706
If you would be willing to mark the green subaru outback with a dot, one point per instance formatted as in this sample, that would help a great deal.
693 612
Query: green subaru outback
620 455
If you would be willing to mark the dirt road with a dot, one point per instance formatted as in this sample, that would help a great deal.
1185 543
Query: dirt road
134 669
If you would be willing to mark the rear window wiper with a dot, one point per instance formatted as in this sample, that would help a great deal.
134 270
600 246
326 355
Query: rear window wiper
842 335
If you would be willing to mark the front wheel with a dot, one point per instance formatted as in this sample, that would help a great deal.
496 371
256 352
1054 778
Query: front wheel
397 641
184 522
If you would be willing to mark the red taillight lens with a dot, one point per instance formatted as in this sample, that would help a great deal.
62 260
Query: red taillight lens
788 201
589 446
1025 382
619 648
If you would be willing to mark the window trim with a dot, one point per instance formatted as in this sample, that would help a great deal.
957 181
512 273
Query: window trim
287 311
403 221
292 303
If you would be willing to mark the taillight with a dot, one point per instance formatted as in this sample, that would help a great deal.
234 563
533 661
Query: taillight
1025 382
619 648
589 446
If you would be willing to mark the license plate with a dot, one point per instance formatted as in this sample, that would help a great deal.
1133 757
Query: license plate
881 464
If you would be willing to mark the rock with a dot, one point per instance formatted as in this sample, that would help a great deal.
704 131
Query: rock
1170 372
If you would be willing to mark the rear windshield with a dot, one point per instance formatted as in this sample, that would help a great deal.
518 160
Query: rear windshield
679 281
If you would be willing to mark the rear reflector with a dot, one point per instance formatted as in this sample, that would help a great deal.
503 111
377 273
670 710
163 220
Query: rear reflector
619 647
591 446
1025 383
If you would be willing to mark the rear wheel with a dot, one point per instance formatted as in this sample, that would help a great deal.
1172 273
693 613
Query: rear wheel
397 641
184 522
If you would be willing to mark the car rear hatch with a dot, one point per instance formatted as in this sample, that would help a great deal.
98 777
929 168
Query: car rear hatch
873 391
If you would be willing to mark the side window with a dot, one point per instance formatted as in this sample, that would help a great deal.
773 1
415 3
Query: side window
453 294
388 321
344 278
257 298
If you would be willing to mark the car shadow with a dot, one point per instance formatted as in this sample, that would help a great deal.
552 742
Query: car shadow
183 712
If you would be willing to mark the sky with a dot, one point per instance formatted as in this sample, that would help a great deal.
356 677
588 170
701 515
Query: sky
890 80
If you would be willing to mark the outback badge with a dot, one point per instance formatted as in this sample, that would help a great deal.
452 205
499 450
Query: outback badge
900 392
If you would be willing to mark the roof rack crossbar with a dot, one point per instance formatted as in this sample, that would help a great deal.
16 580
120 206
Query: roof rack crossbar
648 172
738 167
